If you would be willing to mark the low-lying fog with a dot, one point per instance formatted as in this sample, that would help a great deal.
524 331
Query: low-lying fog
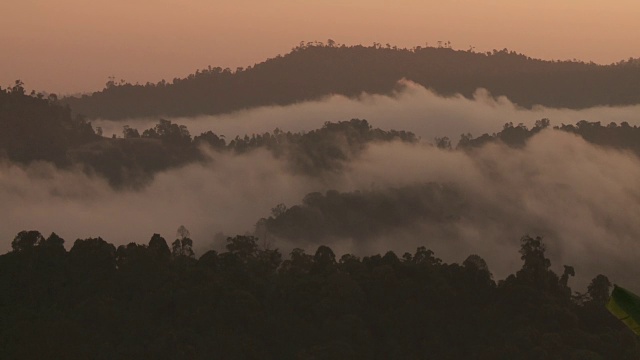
412 108
583 199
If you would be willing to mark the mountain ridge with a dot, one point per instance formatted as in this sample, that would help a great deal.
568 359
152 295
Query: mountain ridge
313 71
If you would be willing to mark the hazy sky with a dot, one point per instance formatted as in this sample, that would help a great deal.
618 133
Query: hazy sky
74 45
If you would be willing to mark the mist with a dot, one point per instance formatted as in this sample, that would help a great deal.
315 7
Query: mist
227 194
581 198
411 107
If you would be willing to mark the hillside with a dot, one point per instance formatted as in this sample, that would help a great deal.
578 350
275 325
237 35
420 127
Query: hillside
312 71
34 128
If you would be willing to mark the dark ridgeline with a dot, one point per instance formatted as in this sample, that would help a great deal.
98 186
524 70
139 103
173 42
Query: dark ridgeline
136 301
313 70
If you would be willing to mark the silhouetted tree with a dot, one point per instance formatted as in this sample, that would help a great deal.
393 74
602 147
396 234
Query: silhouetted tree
125 303
598 289
26 240
158 248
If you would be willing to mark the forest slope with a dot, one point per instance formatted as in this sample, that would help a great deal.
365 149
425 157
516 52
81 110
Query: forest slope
39 129
153 301
311 71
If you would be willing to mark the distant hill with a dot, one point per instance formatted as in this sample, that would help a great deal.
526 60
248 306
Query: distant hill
35 128
311 71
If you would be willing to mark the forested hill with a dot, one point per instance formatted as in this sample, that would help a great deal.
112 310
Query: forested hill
138 301
311 71
35 128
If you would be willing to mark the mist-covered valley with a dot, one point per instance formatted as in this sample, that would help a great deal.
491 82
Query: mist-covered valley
579 195
337 202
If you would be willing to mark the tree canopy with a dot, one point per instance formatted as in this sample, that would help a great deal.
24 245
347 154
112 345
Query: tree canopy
314 70
141 300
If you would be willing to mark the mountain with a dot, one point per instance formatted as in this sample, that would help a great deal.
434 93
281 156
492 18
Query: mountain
312 71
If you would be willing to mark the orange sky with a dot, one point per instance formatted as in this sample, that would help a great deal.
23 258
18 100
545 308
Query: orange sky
68 46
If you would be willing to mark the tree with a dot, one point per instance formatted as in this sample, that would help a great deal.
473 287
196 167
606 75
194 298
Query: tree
476 262
158 248
542 124
129 132
26 240
94 255
245 247
183 232
53 246
183 248
183 245
425 256
209 259
278 210
18 87
169 133
299 262
54 241
215 141
536 268
598 289
443 143
568 271
324 260
532 253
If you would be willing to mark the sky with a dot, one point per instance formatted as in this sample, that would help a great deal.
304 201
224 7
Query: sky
73 46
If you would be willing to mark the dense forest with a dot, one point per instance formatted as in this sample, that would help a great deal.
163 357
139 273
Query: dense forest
361 215
313 70
248 302
33 127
